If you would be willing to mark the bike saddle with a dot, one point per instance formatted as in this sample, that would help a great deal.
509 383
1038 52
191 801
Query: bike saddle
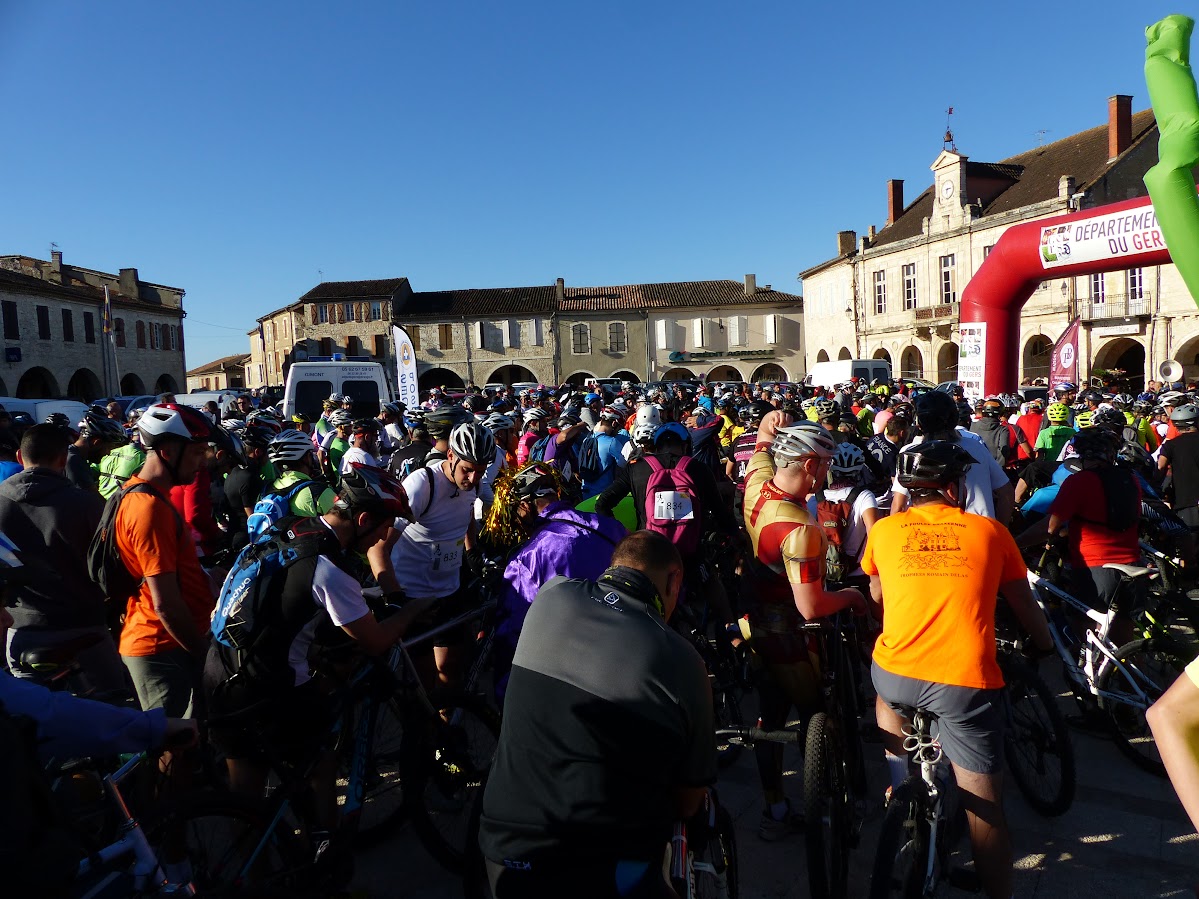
909 712
1129 571
57 656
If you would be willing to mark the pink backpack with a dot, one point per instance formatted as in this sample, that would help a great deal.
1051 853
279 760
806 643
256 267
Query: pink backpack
672 507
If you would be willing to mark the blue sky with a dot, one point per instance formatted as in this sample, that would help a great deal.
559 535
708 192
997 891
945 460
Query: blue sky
236 149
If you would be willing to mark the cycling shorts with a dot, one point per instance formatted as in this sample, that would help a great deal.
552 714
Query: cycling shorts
970 720
791 663
445 609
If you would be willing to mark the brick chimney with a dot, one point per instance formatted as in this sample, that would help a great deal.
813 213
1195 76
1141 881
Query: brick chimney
1119 125
128 283
751 285
560 289
894 199
845 242
56 266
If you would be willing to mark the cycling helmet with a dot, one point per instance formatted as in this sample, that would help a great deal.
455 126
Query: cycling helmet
441 422
258 437
475 403
1058 413
671 430
1142 407
266 420
932 465
650 416
592 398
341 419
61 420
1061 388
758 410
803 439
805 405
1186 415
537 479
365 488
1096 444
848 460
1036 403
610 414
103 427
535 414
289 446
167 421
1083 420
1091 396
367 426
498 421
392 408
644 434
230 442
826 409
1122 400
1172 398
1134 456
1107 417
299 418
473 443
992 407
936 412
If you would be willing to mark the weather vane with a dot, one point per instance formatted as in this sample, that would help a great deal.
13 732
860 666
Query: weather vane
947 141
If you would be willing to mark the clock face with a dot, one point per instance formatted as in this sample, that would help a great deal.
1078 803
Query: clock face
946 189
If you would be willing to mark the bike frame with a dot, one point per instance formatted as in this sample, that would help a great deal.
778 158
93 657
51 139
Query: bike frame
147 871
1096 647
928 752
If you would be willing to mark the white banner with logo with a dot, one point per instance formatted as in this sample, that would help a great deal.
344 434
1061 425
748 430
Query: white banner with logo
1101 238
972 358
407 391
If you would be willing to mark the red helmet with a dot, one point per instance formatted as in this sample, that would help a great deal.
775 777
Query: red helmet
365 488
170 420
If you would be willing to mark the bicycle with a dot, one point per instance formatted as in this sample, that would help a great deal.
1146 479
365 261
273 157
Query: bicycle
1121 681
703 859
834 765
922 822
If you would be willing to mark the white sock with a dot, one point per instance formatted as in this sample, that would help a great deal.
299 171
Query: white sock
897 766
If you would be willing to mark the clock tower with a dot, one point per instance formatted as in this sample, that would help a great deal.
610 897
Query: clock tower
949 191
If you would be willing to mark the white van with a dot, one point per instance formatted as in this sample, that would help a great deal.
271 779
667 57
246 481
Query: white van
222 398
309 384
39 410
829 374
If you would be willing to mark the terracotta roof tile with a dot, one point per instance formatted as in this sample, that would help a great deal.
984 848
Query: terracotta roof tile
350 290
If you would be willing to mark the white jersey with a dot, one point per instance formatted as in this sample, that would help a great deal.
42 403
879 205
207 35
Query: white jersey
429 552
982 480
359 455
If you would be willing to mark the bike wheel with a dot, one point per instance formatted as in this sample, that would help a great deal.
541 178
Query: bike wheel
1149 667
233 846
445 767
383 805
901 860
1037 744
826 810
726 704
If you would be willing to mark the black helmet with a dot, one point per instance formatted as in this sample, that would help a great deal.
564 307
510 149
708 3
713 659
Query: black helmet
537 479
936 412
365 488
933 465
60 419
1112 419
108 429
758 410
1096 444
440 422
257 436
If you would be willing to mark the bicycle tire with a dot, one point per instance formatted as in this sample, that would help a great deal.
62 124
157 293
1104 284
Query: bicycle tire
903 844
1153 664
241 824
825 813
726 704
383 806
1035 737
720 853
444 769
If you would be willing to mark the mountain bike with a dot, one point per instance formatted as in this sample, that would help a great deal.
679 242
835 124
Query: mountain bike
703 854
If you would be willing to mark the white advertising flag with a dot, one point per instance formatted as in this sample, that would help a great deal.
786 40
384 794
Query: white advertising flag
407 391
972 359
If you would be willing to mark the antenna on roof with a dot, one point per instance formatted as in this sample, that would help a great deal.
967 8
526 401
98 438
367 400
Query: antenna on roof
1041 136
53 247
947 141
321 275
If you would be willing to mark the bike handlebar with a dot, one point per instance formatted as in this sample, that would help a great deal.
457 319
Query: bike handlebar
757 734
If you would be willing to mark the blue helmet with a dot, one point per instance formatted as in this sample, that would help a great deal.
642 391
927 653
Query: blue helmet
672 429
591 398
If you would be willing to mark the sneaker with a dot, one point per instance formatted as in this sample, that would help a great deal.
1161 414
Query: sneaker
772 829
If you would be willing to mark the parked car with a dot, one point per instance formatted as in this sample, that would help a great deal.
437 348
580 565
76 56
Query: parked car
128 403
34 411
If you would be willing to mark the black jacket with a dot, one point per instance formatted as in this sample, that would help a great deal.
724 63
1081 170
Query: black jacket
52 522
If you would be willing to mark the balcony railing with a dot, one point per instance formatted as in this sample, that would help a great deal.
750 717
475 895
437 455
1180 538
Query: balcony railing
939 314
1116 305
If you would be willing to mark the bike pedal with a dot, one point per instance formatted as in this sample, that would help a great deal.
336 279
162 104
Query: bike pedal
965 879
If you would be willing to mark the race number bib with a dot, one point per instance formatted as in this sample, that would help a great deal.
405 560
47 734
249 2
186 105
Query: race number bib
671 505
447 556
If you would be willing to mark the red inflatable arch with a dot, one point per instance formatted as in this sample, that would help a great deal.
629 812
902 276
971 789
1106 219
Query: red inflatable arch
1104 239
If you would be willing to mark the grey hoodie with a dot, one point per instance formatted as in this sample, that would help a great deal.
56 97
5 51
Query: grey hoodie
52 521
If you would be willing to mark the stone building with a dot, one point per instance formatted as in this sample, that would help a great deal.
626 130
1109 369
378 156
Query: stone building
54 340
546 334
221 374
894 293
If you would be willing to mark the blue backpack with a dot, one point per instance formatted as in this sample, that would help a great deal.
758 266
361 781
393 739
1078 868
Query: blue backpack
236 626
591 465
537 453
270 509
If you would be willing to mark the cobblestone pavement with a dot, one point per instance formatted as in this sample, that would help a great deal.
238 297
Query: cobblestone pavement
1125 836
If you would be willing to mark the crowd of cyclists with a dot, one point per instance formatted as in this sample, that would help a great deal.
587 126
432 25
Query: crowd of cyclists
189 562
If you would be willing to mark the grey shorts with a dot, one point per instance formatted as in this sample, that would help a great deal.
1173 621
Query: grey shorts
167 680
970 720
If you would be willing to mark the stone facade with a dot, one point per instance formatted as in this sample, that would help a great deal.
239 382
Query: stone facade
221 374
602 345
55 346
484 350
898 299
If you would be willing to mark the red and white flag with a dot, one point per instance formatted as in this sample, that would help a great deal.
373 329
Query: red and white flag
1063 364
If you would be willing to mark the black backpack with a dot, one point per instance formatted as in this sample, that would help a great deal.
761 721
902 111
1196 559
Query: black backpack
104 563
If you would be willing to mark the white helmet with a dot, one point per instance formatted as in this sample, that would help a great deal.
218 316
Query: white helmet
803 439
848 461
650 415
289 446
473 443
498 421
644 433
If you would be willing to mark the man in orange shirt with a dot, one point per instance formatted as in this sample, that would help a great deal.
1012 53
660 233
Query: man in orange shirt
165 638
935 569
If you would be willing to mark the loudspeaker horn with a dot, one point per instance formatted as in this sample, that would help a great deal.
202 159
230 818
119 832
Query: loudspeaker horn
1170 370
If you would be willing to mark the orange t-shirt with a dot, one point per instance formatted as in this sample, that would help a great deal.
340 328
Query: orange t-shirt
941 569
151 542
